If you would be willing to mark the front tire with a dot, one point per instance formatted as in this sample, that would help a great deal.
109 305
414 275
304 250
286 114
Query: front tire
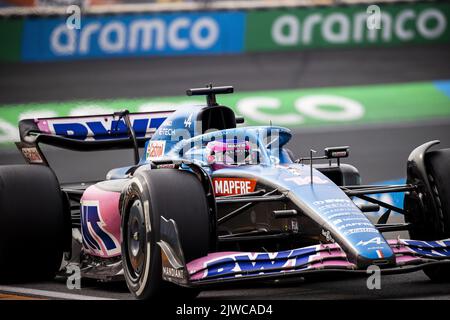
430 215
438 165
174 194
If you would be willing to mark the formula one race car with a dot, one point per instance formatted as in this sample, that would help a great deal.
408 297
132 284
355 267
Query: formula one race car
209 203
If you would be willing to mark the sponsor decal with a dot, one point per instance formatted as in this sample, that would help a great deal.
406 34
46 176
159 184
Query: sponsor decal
239 264
346 27
134 35
236 145
355 224
166 128
339 221
301 181
233 186
167 166
335 206
351 223
96 239
155 149
102 127
339 154
32 155
327 201
360 230
166 131
259 263
173 273
342 214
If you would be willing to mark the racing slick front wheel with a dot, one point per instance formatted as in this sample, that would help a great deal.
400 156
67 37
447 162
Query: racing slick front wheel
438 165
31 223
431 220
173 194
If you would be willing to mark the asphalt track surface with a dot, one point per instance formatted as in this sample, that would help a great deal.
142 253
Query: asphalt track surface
147 77
379 151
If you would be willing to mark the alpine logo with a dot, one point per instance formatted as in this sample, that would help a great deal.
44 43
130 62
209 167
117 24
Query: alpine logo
233 186
96 239
376 240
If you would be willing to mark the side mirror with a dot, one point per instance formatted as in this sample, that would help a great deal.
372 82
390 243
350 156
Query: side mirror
336 152
240 120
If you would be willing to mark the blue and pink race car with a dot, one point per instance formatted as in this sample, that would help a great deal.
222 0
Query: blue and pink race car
207 203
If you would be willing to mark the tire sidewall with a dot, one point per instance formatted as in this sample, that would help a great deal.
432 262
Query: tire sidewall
150 281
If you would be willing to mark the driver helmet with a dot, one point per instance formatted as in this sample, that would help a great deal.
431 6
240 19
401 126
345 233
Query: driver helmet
229 153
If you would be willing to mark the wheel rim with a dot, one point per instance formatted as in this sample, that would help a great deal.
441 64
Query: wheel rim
136 240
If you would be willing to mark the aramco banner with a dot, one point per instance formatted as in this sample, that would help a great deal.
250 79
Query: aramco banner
331 27
224 32
134 35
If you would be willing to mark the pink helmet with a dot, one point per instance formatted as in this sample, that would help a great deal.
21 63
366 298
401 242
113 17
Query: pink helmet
222 154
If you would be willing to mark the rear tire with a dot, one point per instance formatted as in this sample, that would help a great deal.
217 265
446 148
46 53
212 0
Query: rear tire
31 223
174 194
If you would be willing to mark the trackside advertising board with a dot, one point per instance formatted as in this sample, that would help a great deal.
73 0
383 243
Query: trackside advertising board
10 44
224 32
334 27
134 35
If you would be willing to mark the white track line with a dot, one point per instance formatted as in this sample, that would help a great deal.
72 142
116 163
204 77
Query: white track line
49 294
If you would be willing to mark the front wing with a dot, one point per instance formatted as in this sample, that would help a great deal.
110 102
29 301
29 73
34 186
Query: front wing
221 267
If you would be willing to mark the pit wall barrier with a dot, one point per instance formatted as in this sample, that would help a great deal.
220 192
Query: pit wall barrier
50 38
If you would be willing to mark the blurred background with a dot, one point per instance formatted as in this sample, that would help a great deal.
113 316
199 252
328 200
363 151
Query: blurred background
371 75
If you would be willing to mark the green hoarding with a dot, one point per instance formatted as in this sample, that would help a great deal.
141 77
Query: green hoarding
296 108
341 27
10 39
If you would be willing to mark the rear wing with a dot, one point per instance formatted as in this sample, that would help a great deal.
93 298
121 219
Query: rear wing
87 133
